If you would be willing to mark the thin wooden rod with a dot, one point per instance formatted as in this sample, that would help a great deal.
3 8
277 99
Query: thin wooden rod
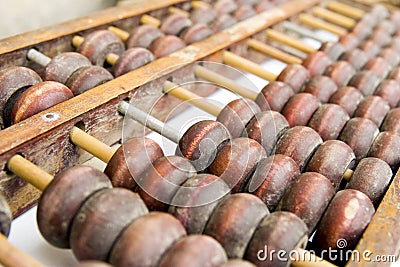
273 52
194 99
174 10
321 24
200 4
348 174
91 144
77 40
146 19
224 82
123 35
112 58
303 31
290 41
333 17
346 10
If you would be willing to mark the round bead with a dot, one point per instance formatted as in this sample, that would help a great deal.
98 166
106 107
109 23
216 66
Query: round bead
203 15
39 97
316 63
263 5
386 147
132 59
322 87
166 45
340 72
62 199
238 263
234 221
328 121
379 67
225 6
194 251
370 49
146 239
223 22
272 177
295 76
395 43
356 58
380 37
300 108
365 81
395 74
392 121
333 49
244 12
348 98
299 143
380 12
372 177
100 221
87 78
99 44
196 33
5 216
350 41
175 24
362 30
331 159
391 56
389 90
373 108
395 18
274 96
143 36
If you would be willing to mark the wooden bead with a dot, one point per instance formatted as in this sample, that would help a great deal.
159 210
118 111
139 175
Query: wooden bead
299 143
389 90
340 72
223 22
87 78
236 160
100 221
225 6
316 63
234 221
386 147
307 197
350 41
391 56
266 128
132 59
236 114
238 263
379 12
359 133
99 44
294 75
175 24
374 108
146 239
392 121
379 67
395 43
13 82
143 36
348 98
274 96
203 15
272 177
322 87
356 58
62 66
159 183
62 199
387 25
395 74
370 49
196 33
300 108
5 216
196 200
365 81
263 6
166 45
380 37
395 18
369 20
200 142
244 12
372 177
332 159
362 30
39 97
333 49
280 230
194 251
328 121
130 160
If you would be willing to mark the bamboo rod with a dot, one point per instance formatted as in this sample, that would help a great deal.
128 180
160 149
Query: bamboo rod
123 35
333 17
146 19
273 52
348 174
174 10
200 4
77 40
346 10
323 25
10 256
290 41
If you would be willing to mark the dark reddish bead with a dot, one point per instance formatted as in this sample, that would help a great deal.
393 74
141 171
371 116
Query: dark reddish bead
348 98
340 72
175 24
132 59
392 121
370 49
356 58
322 87
143 36
87 78
386 147
380 37
244 12
223 22
373 108
379 67
389 90
333 49
391 56
203 15
365 81
395 74
225 6
166 45
317 63
274 96
300 108
362 30
196 33
350 41
295 76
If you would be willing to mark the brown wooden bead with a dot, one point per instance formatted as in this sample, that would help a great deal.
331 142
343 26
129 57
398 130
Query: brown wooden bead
386 147
379 12
332 159
395 43
381 37
143 36
300 108
62 199
99 44
356 58
374 108
359 133
266 128
340 72
225 6
238 263
395 74
322 87
392 121
346 218
263 5
236 161
333 49
196 200
274 96
317 63
5 216
391 56
194 251
39 97
201 142
63 65
175 24
372 177
244 12
294 75
389 90
223 22
348 98
281 230
362 30
369 20
130 160
166 45
159 183
395 18
379 67
236 114
100 221
307 197
370 49
196 33
87 78
365 81
13 82
350 41
299 143
132 59
328 121
146 239
203 15
234 221
272 177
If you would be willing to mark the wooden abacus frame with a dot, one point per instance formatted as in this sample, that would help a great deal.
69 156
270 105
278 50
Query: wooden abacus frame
44 138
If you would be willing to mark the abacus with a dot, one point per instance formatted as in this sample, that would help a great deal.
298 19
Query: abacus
321 140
